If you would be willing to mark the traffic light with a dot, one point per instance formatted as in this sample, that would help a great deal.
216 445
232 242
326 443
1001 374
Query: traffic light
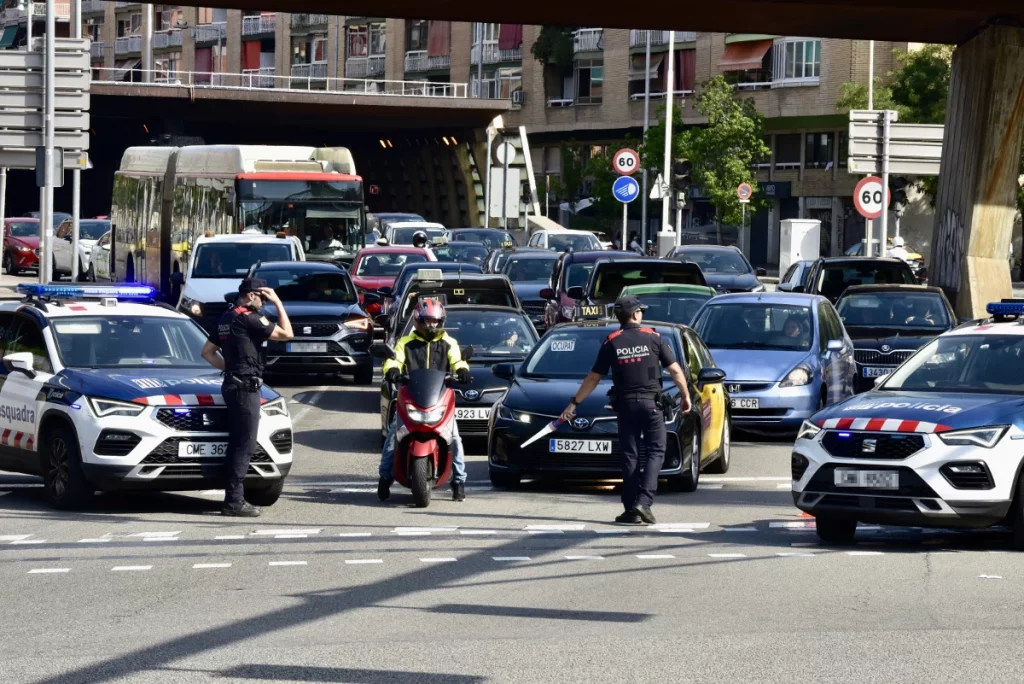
681 169
898 188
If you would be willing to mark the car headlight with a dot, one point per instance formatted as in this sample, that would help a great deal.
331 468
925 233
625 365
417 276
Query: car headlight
808 430
102 408
509 414
428 417
23 248
759 288
986 437
798 377
192 306
277 407
358 323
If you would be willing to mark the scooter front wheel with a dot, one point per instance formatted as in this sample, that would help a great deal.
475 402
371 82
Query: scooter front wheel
420 482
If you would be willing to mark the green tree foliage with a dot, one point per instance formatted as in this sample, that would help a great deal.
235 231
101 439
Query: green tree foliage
554 48
574 165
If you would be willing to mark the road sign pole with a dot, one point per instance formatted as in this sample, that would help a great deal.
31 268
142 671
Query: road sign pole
76 174
487 187
3 203
883 237
670 90
647 124
625 220
48 117
743 227
504 183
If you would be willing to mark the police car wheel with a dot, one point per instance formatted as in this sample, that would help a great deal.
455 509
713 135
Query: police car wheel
505 480
265 496
835 530
64 481
720 466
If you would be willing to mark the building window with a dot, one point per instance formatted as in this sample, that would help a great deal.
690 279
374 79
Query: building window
844 148
819 150
796 59
509 80
589 81
787 151
489 31
417 35
366 40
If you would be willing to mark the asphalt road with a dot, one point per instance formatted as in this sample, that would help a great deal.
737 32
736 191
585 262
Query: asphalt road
534 585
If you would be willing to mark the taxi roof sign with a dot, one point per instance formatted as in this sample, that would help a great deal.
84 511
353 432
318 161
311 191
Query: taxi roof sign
136 292
429 274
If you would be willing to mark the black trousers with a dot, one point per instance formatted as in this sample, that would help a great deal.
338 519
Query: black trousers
243 408
641 429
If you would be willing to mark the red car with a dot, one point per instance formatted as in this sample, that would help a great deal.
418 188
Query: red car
21 245
377 267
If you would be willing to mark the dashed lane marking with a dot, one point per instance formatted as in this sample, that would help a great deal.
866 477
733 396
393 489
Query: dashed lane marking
794 554
314 398
584 558
787 478
864 553
276 533
210 566
131 568
990 577
438 560
225 537
291 536
364 561
356 534
277 564
477 532
655 556
28 541
13 537
727 555
155 535
710 486
102 540
509 559
739 529
614 530
48 571
791 525
554 528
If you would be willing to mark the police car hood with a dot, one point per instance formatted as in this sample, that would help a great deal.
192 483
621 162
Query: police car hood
945 411
551 396
761 365
208 290
149 385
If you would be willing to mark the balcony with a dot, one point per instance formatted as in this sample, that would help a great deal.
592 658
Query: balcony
93 7
317 71
307 20
97 50
167 39
263 77
259 25
417 60
588 40
128 4
211 33
13 15
128 45
364 67
492 55
638 38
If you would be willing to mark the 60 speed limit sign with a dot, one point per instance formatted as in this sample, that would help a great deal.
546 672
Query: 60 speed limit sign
626 162
868 197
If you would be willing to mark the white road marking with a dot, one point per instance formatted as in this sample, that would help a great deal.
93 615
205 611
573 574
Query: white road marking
545 531
356 534
154 539
418 530
274 533
291 536
792 525
13 537
682 525
351 490
710 486
864 553
727 555
313 399
438 560
739 529
284 563
584 558
794 554
554 528
655 556
509 559
131 568
48 571
21 486
102 540
28 541
477 532
363 561
4 493
787 478
624 530
151 535
229 536
421 533
990 577
784 485
318 485
210 566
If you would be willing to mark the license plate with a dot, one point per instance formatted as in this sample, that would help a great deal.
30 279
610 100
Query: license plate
579 446
202 449
877 372
307 347
870 479
472 413
745 403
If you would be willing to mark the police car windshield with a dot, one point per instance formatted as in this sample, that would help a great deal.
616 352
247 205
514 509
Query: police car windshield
992 364
756 326
468 252
900 310
719 261
571 352
234 259
128 341
386 264
298 286
490 333
672 307
579 243
532 269
403 236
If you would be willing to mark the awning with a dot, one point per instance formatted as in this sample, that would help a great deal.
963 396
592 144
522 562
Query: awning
638 66
744 56
7 40
124 68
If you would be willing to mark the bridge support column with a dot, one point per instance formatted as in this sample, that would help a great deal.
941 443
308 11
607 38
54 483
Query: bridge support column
976 202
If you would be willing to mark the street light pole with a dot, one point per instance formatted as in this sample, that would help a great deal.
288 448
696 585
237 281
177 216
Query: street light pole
670 87
76 174
647 123
868 224
46 211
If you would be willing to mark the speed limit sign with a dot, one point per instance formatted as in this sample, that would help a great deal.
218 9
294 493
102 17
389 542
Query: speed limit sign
868 197
626 162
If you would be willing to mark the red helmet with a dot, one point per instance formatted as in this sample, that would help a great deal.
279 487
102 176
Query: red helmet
428 319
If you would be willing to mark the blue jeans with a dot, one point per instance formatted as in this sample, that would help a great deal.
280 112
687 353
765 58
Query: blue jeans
387 457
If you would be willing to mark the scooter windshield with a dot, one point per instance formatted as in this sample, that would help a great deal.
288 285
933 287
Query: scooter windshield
426 386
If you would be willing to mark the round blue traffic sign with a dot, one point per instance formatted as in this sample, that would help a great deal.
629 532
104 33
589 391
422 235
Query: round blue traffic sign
625 189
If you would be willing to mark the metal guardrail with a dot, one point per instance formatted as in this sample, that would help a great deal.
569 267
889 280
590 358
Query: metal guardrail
128 45
97 50
167 39
588 40
258 25
364 67
316 71
62 10
264 79
638 37
492 55
309 19
418 60
211 33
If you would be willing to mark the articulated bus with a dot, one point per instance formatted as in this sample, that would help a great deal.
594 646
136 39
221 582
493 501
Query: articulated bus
166 197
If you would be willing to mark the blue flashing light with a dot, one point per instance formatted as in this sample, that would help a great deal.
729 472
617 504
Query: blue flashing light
844 435
181 411
126 292
1006 308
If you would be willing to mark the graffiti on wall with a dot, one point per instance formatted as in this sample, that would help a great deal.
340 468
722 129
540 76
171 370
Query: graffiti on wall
947 252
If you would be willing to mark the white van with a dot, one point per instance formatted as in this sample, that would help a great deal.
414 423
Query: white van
561 240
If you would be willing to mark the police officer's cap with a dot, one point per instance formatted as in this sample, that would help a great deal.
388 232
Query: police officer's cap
251 285
628 305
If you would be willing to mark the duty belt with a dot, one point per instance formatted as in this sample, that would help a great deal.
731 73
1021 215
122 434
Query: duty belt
640 395
244 382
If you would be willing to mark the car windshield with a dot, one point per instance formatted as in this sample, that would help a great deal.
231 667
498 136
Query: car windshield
299 286
612 277
672 307
464 293
500 259
234 259
112 342
490 333
409 272
571 352
579 243
93 230
403 236
756 325
527 269
963 363
471 253
23 229
490 238
901 310
718 261
381 264
835 279
577 275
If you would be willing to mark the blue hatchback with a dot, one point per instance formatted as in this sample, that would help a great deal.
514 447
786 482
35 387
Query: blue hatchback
785 356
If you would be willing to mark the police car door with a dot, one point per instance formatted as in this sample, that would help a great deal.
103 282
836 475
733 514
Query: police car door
19 409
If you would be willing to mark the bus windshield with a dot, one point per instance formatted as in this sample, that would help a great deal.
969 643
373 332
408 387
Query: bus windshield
327 216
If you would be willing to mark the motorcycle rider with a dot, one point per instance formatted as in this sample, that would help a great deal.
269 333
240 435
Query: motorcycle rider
427 346
419 239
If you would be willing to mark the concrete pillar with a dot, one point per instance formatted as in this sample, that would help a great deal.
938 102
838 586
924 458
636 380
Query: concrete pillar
109 33
283 49
462 41
394 61
976 203
233 47
335 50
189 16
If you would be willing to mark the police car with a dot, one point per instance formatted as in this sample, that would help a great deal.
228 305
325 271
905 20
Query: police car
938 443
99 391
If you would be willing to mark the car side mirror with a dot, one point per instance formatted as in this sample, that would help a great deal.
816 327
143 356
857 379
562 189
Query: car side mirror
504 371
784 287
966 319
231 297
379 350
381 321
467 353
383 242
106 247
547 293
762 272
385 292
178 278
709 376
371 298
797 288
575 292
835 345
20 362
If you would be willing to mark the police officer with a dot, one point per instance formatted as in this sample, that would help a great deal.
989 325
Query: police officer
242 335
635 355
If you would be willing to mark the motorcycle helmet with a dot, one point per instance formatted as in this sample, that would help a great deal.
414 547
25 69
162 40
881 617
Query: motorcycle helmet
419 239
428 320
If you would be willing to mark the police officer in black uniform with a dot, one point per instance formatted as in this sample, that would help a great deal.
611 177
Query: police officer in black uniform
635 355
241 338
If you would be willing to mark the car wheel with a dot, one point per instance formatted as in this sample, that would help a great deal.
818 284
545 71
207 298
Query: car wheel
9 267
265 496
835 530
64 482
91 275
687 482
83 276
504 480
720 466
364 376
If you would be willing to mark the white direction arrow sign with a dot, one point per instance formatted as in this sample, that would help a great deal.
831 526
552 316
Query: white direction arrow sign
69 140
67 121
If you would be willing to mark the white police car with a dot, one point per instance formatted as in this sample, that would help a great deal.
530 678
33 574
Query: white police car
100 393
938 443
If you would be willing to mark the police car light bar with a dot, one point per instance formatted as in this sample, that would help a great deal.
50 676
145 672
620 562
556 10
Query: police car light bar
137 292
1007 307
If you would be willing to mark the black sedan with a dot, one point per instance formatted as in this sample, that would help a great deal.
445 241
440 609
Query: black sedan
332 332
496 334
589 446
497 259
530 272
492 238
888 323
725 268
473 253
